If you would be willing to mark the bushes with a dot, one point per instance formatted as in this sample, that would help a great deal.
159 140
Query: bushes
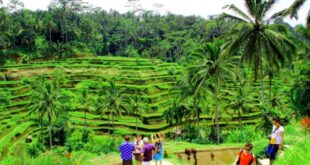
78 141
35 149
259 147
296 155
75 140
249 134
245 134
102 145
201 135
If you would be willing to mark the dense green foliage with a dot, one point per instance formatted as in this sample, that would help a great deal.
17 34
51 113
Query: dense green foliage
71 28
191 78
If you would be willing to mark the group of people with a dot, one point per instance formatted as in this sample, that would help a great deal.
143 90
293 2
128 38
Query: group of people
245 157
143 150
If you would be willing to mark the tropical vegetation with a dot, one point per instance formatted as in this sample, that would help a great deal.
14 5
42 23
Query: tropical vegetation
74 79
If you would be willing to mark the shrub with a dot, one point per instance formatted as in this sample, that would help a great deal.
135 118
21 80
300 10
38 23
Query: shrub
100 145
130 51
74 141
35 149
200 135
10 62
24 59
49 159
171 71
60 150
297 154
259 147
245 134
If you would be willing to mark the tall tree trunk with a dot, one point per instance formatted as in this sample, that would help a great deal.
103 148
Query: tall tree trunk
50 34
239 118
113 126
136 119
50 133
261 77
270 84
197 113
217 113
42 137
66 33
84 119
109 123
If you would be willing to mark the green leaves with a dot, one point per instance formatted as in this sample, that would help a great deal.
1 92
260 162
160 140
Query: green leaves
244 16
259 40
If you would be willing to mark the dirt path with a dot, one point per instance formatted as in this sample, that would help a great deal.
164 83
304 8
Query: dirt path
165 162
264 161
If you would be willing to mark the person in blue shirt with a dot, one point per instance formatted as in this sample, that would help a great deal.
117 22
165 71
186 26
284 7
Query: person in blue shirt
158 144
126 149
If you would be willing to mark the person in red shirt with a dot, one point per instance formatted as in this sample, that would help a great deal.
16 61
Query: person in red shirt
245 156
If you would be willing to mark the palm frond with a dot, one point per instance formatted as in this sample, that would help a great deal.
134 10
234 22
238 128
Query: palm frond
238 11
241 36
251 7
308 20
291 11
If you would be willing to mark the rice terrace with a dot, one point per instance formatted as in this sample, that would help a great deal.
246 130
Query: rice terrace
137 82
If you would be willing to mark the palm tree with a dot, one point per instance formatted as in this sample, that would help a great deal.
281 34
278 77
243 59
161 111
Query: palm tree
169 117
4 99
102 106
45 102
189 95
258 37
292 11
241 99
270 72
176 113
136 107
115 103
85 101
60 77
216 67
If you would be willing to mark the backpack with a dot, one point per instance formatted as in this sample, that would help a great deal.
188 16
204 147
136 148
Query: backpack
238 162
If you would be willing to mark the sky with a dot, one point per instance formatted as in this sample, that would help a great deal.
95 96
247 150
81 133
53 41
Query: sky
202 8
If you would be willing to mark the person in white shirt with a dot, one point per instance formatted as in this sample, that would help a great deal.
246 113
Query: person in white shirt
275 139
138 146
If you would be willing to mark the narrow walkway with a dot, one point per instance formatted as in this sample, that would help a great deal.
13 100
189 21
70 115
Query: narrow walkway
264 161
164 163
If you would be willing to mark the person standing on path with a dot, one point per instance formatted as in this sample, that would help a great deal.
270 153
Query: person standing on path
275 140
157 140
126 149
146 152
138 146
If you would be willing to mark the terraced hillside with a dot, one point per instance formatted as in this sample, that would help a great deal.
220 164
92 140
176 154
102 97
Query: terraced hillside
154 78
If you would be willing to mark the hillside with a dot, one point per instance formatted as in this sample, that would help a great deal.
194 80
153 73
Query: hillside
154 78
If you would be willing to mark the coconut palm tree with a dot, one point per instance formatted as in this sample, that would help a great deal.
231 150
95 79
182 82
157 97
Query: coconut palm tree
292 11
176 113
85 102
241 99
189 95
270 72
45 103
136 110
214 69
115 103
60 77
102 106
169 117
258 37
